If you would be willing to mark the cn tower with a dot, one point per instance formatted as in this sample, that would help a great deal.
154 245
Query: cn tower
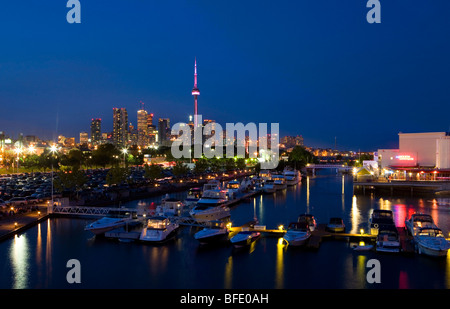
195 93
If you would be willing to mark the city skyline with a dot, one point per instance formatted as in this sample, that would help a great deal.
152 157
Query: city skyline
319 69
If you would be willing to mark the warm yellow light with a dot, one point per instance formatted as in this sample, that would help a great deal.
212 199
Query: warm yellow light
53 148
361 231
124 151
281 227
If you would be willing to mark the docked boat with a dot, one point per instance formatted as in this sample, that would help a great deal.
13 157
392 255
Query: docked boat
170 207
194 194
309 220
212 185
216 232
381 217
107 223
418 221
431 241
244 238
279 182
211 206
388 239
158 229
232 188
292 177
297 234
336 225
268 186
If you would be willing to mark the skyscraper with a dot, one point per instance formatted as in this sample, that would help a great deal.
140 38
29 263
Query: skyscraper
96 130
163 130
120 130
195 93
142 127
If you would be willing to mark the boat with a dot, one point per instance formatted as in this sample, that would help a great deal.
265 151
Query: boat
336 225
211 206
265 175
292 177
268 186
309 220
418 221
216 232
212 185
381 217
279 182
244 238
297 234
232 188
431 241
170 207
194 194
388 239
158 229
107 223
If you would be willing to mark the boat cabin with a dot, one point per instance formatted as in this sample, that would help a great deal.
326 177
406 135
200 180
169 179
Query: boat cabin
158 223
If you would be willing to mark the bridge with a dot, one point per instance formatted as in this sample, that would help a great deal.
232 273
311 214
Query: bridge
339 167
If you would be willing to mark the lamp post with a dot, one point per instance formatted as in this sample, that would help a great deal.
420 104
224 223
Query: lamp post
53 149
124 151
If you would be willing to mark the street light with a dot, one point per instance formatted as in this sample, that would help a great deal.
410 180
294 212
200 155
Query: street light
53 149
124 151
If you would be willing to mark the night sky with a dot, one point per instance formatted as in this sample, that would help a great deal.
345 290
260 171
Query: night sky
317 67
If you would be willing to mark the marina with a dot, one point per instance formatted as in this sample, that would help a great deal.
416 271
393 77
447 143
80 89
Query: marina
273 213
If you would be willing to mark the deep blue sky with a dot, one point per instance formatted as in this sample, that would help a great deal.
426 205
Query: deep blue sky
316 67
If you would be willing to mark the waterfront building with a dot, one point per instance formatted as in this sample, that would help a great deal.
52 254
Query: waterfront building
96 131
120 130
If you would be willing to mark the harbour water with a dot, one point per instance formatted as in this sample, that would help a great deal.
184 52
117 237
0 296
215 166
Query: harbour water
38 257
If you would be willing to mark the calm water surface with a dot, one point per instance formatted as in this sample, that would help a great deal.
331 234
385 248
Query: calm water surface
38 257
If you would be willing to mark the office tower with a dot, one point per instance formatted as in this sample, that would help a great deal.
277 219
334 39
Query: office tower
142 127
163 131
84 138
96 131
120 129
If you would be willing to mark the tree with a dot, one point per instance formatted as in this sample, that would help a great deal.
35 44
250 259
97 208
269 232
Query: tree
240 163
299 157
180 168
201 165
106 154
117 175
153 171
70 179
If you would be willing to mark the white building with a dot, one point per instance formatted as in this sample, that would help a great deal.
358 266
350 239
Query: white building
431 150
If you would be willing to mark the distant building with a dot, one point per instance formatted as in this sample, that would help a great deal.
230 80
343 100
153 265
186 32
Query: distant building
120 130
142 128
163 131
84 138
292 141
96 131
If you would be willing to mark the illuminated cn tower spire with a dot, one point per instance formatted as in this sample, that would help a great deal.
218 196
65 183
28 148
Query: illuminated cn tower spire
195 93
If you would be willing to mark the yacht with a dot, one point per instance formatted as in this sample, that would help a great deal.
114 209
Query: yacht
244 238
380 218
293 177
170 207
309 220
418 221
268 186
212 185
194 194
336 225
297 234
431 241
279 182
388 239
158 229
107 223
216 232
211 206
233 187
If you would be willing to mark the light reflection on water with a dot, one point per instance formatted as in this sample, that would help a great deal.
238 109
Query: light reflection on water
34 258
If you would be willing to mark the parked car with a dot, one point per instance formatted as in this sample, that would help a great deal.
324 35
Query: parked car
17 201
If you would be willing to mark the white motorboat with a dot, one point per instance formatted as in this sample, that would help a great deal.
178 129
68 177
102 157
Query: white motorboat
279 182
244 238
194 194
431 241
336 225
418 221
381 217
292 177
211 206
169 207
106 224
232 188
268 186
158 229
265 175
212 185
388 239
216 232
309 220
297 234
